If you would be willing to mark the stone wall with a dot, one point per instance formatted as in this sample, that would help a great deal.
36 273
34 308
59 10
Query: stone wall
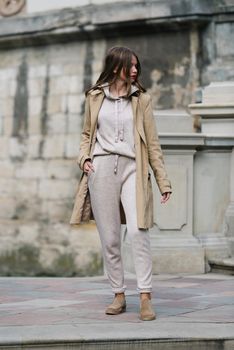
46 63
41 116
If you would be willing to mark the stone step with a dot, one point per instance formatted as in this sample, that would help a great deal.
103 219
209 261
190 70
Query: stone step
126 344
194 312
225 266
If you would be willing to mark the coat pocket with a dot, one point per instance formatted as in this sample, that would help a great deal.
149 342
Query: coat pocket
150 201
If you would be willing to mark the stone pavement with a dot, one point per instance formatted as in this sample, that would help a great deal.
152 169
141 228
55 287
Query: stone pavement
193 311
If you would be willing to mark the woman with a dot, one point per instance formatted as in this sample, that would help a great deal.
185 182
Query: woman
119 141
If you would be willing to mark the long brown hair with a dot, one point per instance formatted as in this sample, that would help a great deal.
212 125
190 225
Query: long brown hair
118 58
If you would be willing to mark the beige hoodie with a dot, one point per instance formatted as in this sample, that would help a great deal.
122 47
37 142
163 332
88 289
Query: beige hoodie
115 133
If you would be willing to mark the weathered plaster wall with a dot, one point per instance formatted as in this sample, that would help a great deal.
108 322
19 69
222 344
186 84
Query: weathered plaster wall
46 62
41 101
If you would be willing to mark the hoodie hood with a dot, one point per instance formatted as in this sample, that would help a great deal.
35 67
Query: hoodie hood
108 94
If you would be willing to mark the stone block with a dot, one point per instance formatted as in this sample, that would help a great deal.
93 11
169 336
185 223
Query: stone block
225 46
34 124
86 245
37 71
74 103
12 88
8 73
170 256
74 123
4 89
35 87
28 208
59 85
75 84
72 68
17 147
8 125
173 121
218 126
64 104
211 190
7 208
61 169
28 233
4 147
72 145
56 70
35 144
1 124
57 189
48 255
219 93
215 246
7 107
57 124
26 188
54 146
33 7
35 105
7 169
59 234
182 260
54 104
58 210
8 187
31 170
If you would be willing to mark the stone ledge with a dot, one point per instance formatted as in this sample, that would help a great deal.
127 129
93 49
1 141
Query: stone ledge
181 140
212 110
97 20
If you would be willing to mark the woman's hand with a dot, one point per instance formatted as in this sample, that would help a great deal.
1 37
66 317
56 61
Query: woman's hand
88 166
165 197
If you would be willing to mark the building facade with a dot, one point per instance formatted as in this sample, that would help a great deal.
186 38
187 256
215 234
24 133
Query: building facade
47 60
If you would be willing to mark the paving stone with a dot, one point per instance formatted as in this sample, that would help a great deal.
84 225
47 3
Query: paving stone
64 309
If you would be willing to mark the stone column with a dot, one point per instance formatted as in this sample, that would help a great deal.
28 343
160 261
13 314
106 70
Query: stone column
214 172
174 247
229 215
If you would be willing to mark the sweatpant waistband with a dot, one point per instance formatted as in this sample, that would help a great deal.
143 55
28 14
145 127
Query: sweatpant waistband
116 159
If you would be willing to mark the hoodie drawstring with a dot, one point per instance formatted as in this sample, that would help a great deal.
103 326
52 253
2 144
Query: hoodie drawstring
119 134
116 121
116 163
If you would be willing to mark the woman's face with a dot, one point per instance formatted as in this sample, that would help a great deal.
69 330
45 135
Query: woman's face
133 71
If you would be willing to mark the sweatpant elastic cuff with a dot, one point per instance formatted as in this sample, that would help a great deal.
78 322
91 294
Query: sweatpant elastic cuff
119 290
144 290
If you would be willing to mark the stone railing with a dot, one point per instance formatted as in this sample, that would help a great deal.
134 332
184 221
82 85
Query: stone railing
197 224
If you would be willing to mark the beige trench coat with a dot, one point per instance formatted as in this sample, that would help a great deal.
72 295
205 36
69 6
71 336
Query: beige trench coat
148 153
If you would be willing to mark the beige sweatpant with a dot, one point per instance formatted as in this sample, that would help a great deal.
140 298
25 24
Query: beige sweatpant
114 180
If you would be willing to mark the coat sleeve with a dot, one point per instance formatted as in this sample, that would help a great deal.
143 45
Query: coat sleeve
154 150
85 137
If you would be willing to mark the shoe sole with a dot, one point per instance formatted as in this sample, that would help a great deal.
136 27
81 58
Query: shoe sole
147 318
115 312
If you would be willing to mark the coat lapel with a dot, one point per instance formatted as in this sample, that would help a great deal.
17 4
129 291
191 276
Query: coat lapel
138 118
95 105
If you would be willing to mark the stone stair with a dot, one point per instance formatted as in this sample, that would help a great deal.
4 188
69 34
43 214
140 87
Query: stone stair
224 266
